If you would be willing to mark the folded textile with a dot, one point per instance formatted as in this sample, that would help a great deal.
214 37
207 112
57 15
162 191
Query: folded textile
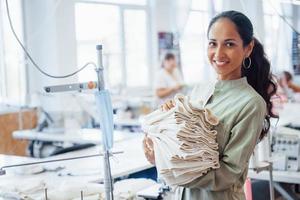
68 191
184 140
21 190
128 188
71 190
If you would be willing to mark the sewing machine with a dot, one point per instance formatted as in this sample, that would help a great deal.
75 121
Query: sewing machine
286 149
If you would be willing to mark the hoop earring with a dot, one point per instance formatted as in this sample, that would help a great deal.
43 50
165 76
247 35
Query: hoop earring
249 65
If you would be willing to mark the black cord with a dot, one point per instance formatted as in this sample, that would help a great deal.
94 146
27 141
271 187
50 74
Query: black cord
31 59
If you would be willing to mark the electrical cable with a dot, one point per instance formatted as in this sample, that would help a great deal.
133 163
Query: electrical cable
31 59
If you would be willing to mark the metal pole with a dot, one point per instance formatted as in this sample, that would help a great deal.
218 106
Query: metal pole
271 184
3 172
107 177
99 69
108 182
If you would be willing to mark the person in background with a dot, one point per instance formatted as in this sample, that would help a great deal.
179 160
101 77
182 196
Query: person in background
241 101
280 97
286 81
169 80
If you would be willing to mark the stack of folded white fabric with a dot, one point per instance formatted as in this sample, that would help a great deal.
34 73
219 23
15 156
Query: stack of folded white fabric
184 141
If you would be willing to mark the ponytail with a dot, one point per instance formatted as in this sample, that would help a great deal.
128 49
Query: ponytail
260 78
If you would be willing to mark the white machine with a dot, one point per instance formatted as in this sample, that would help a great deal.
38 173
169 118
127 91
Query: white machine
286 149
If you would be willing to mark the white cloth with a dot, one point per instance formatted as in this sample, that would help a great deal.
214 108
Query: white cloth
127 188
71 190
184 141
165 80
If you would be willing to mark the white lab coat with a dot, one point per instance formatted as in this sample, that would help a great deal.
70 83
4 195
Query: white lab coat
165 80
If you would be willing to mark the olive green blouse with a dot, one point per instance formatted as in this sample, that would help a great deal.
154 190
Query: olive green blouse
241 111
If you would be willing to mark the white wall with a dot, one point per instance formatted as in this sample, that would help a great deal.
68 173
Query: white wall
253 9
296 12
50 39
165 15
296 25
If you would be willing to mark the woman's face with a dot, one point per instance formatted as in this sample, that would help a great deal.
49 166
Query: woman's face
225 49
170 64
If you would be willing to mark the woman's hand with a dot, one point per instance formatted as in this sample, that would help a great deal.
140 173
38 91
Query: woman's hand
168 105
149 150
177 87
148 143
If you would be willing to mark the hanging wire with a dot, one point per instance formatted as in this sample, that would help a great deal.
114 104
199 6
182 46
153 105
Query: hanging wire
32 60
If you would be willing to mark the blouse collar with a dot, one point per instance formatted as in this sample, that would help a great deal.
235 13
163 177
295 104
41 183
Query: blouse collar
227 84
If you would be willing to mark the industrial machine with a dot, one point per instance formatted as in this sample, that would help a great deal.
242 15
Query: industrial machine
286 149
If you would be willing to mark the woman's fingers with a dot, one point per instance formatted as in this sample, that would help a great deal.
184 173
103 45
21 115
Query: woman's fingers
168 105
150 157
148 150
148 144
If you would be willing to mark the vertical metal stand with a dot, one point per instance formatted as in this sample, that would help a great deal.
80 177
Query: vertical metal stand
46 194
108 183
107 179
267 166
271 183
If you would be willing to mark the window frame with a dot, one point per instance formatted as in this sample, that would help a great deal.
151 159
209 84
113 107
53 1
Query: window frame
122 8
205 70
3 92
22 98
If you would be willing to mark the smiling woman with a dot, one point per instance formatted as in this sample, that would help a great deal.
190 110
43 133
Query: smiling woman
226 50
241 102
244 56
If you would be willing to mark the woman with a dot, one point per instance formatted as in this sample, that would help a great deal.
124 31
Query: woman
241 101
286 81
169 80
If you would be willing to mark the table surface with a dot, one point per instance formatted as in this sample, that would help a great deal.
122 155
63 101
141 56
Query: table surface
278 176
72 136
88 169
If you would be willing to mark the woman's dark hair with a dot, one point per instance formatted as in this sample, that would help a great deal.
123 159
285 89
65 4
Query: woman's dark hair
168 56
258 75
288 76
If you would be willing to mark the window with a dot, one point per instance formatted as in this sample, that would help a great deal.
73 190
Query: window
199 5
277 30
193 43
126 2
122 30
12 64
92 28
136 48
193 48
